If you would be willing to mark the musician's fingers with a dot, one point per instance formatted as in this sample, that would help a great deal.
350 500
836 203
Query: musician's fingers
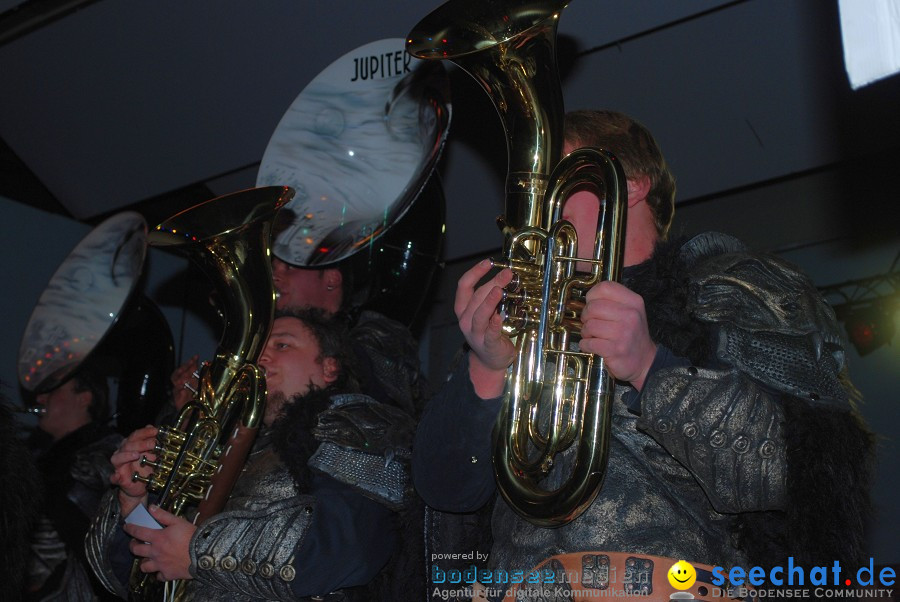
478 303
465 288
185 371
139 439
482 314
120 458
609 289
141 549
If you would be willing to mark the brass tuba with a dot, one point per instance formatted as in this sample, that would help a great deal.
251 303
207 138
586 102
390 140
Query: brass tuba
509 47
200 455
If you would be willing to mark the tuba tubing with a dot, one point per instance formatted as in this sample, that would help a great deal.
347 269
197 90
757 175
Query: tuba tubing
519 472
509 48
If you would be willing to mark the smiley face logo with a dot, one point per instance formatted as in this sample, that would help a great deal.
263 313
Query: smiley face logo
682 575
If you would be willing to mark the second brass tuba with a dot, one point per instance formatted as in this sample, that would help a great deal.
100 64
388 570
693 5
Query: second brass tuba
201 454
555 398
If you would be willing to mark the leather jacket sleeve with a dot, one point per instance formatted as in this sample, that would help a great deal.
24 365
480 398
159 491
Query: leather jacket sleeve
105 541
452 468
723 427
252 551
296 547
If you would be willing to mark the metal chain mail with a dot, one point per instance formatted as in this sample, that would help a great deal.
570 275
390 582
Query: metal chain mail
384 480
776 360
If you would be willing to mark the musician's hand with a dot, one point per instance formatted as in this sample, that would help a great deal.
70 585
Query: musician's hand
166 551
476 308
126 461
182 376
615 328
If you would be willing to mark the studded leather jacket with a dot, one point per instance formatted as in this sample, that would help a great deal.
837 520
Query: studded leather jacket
702 443
271 543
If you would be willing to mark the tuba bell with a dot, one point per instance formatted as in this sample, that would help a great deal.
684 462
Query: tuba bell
359 144
92 310
201 454
555 398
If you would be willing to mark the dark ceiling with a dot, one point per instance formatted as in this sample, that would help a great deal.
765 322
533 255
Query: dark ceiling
157 106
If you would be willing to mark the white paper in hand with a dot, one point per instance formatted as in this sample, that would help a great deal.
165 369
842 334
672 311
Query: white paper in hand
141 517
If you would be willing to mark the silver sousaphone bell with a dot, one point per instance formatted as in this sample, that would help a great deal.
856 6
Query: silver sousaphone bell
359 146
91 308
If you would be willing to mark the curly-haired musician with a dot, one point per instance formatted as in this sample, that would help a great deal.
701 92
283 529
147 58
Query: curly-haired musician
385 353
732 416
314 510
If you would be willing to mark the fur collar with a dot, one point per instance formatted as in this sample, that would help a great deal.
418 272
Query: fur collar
292 436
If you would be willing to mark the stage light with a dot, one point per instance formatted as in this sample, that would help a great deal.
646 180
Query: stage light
870 31
869 327
868 307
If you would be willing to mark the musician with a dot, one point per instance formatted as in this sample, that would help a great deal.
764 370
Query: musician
385 353
72 443
731 410
386 362
312 514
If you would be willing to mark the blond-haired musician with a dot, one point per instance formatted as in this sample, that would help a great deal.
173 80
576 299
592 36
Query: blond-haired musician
722 358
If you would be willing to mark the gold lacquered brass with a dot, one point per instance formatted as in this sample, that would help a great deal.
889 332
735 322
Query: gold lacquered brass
555 397
229 238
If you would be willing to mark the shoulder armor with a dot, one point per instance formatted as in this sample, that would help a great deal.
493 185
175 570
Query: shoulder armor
769 321
367 445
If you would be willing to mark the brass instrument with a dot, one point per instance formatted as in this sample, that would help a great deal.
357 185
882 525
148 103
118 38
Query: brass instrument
201 454
509 47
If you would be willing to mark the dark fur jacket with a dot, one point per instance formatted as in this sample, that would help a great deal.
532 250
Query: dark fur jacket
830 450
377 429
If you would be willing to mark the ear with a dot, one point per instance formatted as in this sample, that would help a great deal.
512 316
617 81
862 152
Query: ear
638 190
333 278
331 369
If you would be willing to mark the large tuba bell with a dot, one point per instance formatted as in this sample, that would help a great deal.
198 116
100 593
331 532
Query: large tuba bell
200 455
555 398
359 144
92 310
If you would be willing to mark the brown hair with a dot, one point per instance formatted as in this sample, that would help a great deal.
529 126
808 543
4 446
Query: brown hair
637 151
333 339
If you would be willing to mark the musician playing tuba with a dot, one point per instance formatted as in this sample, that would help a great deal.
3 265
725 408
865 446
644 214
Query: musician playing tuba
721 358
312 511
357 161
